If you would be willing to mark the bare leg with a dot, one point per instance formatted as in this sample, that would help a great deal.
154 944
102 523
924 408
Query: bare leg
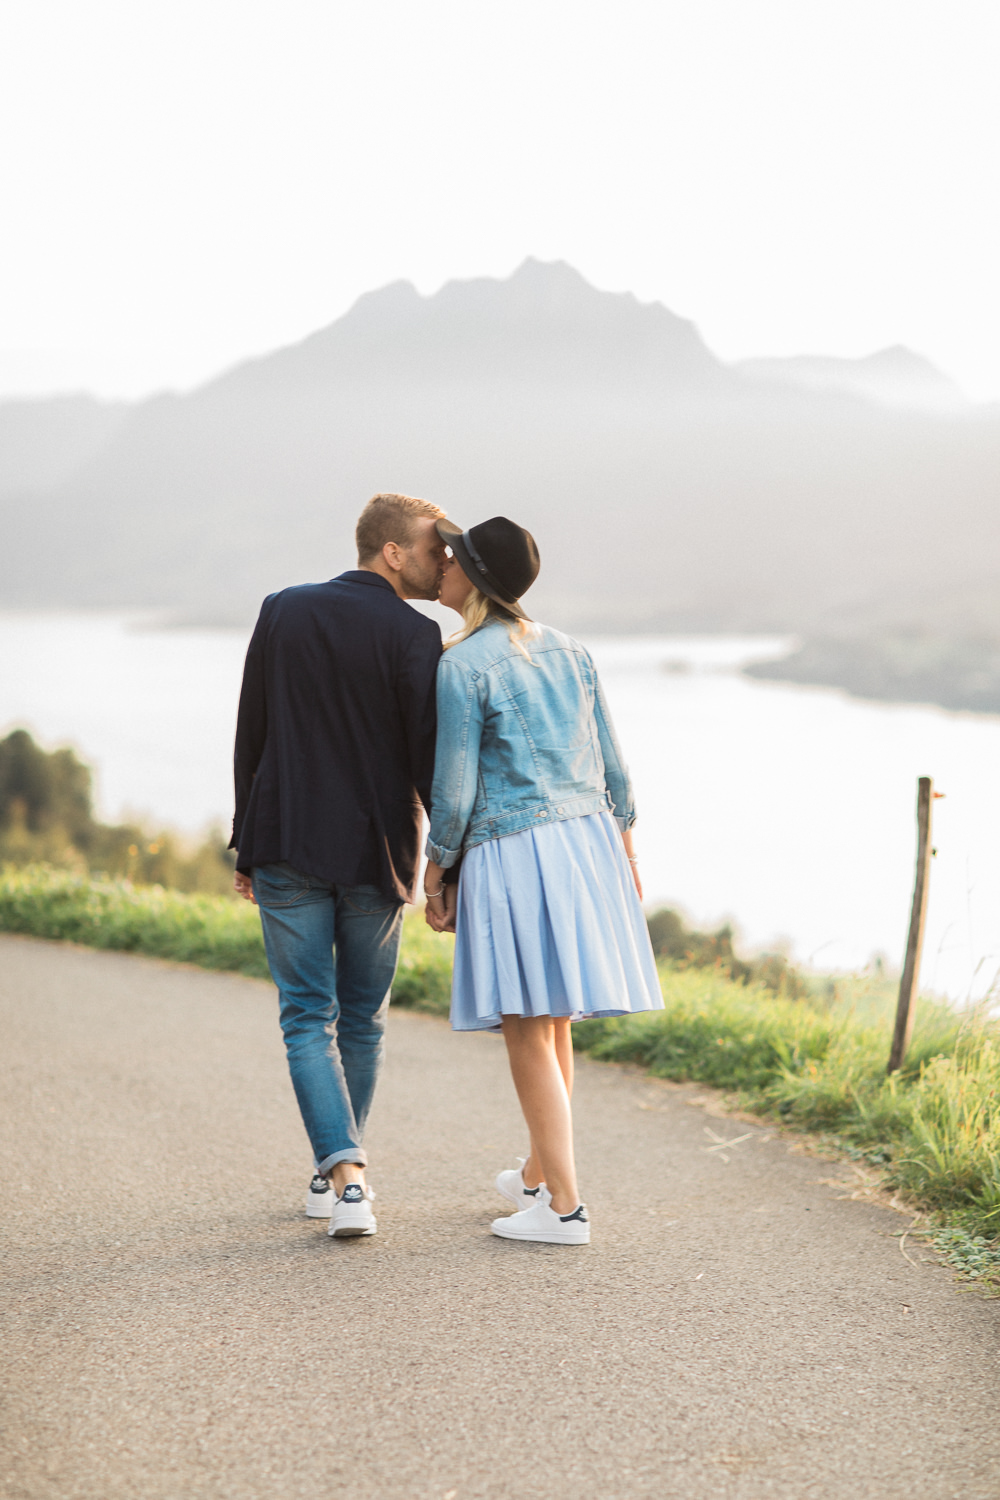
531 1172
345 1172
564 1050
541 1089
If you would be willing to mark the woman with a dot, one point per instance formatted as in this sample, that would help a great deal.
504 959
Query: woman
531 794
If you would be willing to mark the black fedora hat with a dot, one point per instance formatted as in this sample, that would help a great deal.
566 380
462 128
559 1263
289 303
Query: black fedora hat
498 555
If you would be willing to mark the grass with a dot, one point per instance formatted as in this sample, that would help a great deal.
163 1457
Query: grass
215 932
816 1063
819 1065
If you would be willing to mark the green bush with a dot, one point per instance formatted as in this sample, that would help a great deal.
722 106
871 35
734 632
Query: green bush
684 948
46 816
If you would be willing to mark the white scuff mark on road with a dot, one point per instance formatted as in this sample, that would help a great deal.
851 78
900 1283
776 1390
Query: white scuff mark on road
722 1145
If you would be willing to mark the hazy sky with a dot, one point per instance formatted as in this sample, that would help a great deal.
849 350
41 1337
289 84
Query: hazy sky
185 184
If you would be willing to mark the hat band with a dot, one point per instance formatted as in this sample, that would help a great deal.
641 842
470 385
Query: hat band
505 594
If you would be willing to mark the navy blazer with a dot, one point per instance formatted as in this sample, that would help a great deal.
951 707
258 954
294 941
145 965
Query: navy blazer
335 734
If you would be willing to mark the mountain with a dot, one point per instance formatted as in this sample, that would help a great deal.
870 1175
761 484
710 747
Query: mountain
666 489
44 442
894 377
545 324
909 666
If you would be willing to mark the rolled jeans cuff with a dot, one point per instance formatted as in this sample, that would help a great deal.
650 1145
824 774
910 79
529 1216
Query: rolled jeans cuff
355 1154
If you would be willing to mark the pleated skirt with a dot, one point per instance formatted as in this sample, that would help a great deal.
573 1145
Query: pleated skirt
549 924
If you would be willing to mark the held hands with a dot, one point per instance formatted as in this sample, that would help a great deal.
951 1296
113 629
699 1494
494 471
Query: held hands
441 909
442 900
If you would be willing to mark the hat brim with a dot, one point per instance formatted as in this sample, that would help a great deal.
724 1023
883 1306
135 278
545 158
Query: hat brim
452 535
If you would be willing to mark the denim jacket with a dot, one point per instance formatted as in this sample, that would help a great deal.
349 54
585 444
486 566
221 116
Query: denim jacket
520 743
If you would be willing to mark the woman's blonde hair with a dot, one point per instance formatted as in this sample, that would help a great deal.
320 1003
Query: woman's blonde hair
478 608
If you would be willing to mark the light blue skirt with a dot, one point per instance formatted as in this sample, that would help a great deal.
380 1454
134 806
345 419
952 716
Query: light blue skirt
549 924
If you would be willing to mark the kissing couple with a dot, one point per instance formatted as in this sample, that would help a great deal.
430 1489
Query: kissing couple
353 720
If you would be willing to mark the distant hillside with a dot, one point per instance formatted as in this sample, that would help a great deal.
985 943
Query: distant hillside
893 377
42 443
901 667
667 491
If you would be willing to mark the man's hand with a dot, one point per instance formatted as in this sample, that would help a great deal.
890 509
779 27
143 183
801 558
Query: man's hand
243 886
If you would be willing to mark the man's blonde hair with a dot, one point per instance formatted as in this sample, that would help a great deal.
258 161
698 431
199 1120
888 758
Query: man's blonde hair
390 518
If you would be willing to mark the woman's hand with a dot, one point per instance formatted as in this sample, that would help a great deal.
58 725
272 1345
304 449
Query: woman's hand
442 900
633 863
243 886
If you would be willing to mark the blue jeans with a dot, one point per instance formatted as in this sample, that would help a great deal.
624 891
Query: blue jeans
333 1009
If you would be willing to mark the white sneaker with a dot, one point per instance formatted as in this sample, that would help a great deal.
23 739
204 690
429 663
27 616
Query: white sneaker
352 1215
319 1199
510 1185
541 1222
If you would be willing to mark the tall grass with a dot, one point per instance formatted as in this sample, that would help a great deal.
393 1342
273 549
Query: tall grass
817 1063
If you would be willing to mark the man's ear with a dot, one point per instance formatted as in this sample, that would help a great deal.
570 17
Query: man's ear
393 556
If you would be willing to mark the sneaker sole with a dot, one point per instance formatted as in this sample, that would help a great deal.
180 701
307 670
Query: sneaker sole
352 1228
553 1237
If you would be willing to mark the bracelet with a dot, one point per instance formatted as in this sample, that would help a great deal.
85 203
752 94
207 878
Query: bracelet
633 859
431 894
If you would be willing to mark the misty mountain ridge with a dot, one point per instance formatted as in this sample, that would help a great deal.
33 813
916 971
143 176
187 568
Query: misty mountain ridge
545 323
667 490
894 377
43 442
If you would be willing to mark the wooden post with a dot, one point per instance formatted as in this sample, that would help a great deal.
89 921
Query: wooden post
915 941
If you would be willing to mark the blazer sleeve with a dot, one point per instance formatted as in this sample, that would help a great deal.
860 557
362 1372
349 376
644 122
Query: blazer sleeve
415 693
251 725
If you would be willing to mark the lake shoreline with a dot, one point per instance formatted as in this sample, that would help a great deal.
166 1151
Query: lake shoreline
785 809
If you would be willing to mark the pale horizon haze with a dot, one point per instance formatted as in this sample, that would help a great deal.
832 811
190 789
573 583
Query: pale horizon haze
183 187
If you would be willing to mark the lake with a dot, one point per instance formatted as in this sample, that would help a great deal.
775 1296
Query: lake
789 810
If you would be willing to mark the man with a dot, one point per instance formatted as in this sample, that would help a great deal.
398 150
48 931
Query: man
334 754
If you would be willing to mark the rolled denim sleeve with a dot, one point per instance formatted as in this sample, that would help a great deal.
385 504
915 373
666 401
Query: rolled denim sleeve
616 777
456 761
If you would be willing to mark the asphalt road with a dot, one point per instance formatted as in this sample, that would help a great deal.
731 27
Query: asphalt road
175 1327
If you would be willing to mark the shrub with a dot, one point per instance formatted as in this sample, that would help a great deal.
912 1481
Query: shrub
46 816
686 948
